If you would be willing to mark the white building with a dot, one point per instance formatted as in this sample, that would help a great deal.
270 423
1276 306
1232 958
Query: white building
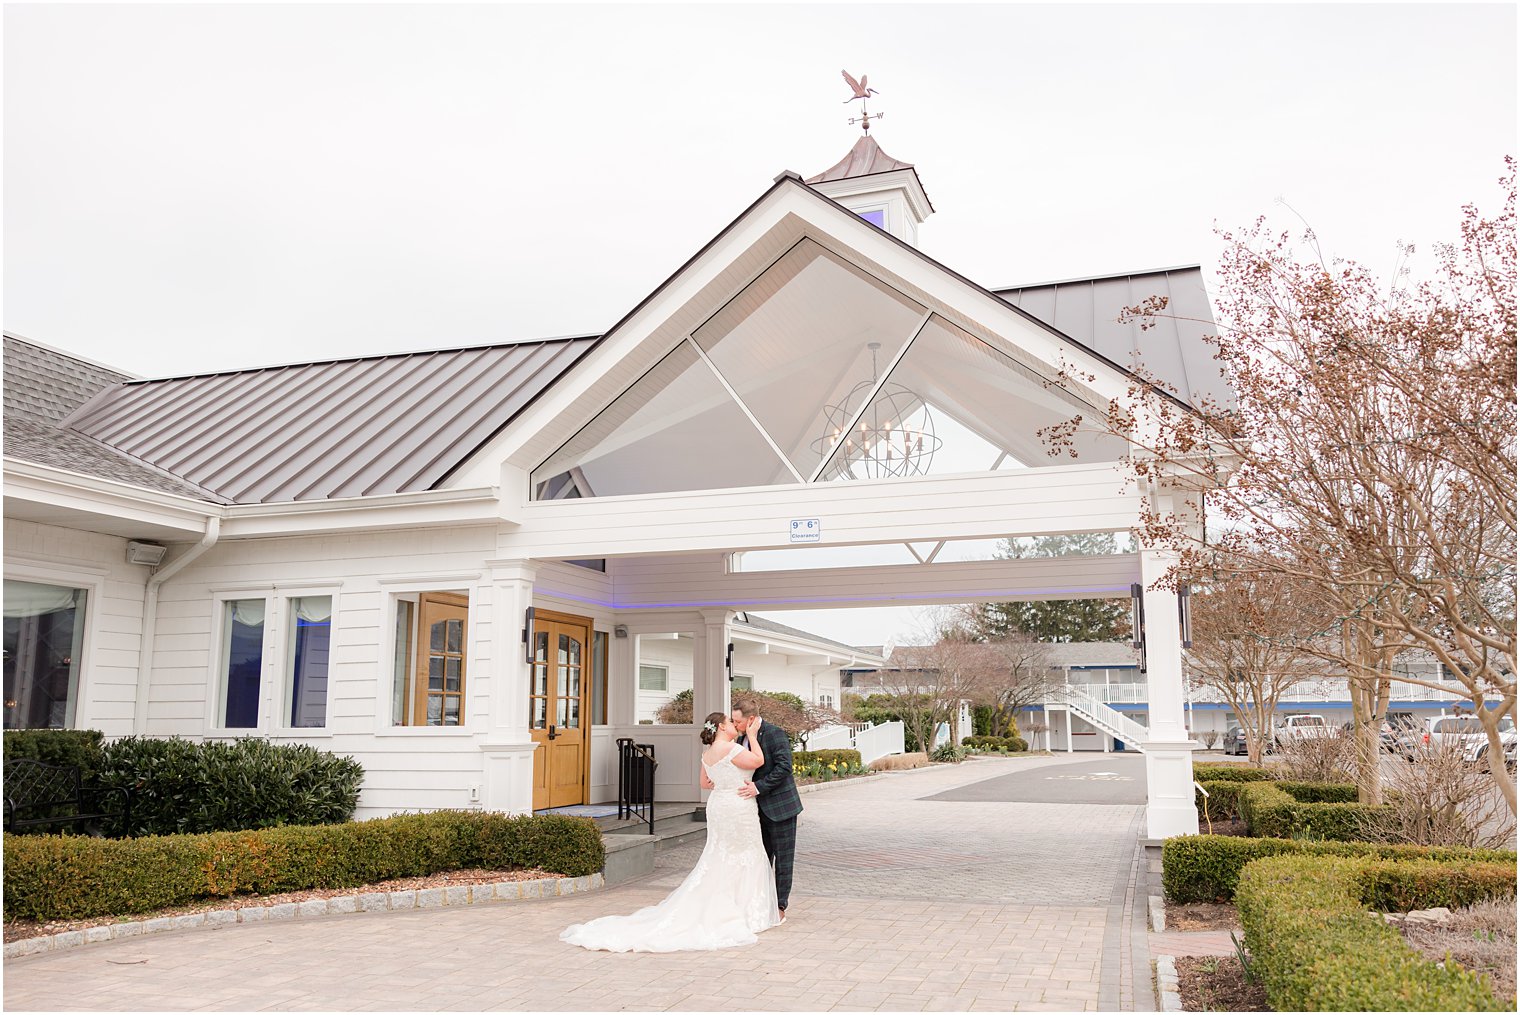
460 566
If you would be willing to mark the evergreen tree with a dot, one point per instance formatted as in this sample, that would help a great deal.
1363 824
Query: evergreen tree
1057 620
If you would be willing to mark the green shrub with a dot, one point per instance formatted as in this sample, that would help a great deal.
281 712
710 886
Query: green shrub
839 756
1230 773
1206 868
948 752
1398 886
1315 947
1010 744
67 877
1223 800
1293 810
179 786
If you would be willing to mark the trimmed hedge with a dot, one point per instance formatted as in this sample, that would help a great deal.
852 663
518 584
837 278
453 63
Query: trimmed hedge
1315 948
67 877
1010 744
1279 810
839 756
1230 773
181 786
1223 801
1206 868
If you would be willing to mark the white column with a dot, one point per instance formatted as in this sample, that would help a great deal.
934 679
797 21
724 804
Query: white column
710 684
1168 753
1069 724
507 748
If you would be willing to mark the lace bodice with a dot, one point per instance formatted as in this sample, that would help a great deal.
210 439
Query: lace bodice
725 775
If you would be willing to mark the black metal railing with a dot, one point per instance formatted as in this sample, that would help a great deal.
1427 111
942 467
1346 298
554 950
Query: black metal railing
636 767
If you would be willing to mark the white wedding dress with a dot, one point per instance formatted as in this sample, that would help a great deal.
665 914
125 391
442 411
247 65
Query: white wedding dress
728 898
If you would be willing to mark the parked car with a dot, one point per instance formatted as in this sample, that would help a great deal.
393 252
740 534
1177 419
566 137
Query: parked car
1301 727
1399 732
1476 750
1462 731
1234 741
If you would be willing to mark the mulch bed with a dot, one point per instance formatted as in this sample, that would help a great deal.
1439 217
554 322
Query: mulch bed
1480 938
1217 983
18 930
1202 916
1225 826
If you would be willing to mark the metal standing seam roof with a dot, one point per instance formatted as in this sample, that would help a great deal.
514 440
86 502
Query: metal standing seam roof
357 427
1174 351
865 159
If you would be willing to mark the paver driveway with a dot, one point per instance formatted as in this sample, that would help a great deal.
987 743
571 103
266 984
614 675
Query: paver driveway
944 889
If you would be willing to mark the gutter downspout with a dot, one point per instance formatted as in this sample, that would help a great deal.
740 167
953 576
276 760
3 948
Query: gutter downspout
150 618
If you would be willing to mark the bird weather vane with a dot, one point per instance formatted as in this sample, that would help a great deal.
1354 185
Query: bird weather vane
862 93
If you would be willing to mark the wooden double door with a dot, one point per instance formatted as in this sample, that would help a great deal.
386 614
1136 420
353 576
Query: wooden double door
558 718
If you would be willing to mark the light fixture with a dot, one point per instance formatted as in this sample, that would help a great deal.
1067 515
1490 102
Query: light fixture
1137 620
894 435
151 554
620 630
1185 614
527 635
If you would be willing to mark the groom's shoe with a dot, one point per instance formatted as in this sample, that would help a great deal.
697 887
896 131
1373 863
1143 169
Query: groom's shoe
783 916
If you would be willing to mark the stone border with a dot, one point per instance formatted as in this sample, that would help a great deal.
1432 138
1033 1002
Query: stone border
1169 995
1158 913
363 902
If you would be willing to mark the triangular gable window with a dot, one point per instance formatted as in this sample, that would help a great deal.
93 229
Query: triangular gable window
816 370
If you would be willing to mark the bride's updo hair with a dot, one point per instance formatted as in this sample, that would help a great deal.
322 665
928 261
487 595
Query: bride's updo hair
710 727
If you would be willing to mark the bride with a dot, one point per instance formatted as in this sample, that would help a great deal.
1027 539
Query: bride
730 895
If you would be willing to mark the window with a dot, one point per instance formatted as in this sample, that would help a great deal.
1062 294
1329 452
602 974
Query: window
599 678
826 700
242 662
653 678
44 636
743 682
876 216
309 639
430 660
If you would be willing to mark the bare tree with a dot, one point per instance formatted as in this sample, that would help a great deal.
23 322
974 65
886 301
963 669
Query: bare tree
1247 648
1369 456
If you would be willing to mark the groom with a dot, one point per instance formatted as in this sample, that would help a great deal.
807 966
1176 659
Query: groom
777 790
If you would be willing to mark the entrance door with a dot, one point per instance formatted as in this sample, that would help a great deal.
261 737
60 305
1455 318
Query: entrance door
438 687
557 715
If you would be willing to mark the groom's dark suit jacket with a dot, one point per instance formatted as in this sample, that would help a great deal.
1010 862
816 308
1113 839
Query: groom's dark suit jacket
778 790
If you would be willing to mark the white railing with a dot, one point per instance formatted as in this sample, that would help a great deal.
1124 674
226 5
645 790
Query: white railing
1109 720
879 741
827 738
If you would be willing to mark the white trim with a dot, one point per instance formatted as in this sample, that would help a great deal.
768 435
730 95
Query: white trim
287 653
216 709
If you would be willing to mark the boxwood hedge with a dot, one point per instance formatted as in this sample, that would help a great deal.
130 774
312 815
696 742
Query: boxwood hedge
1290 810
1206 868
69 877
842 756
1315 947
1010 744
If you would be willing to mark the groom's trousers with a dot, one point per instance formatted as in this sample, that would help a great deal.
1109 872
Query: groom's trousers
780 838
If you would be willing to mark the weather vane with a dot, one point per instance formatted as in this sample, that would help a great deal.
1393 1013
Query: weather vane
862 93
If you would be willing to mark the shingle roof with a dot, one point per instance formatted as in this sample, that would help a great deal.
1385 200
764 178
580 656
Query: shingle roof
1087 310
342 428
42 386
762 624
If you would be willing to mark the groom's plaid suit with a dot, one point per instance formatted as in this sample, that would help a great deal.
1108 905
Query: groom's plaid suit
779 806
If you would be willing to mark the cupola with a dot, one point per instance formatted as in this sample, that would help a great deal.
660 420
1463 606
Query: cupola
880 189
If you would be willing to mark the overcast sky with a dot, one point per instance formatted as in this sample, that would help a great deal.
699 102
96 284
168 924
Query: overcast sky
196 187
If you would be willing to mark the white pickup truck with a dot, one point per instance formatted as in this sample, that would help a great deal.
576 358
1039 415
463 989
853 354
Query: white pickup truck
1293 728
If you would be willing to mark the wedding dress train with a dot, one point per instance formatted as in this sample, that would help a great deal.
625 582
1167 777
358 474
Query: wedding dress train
728 898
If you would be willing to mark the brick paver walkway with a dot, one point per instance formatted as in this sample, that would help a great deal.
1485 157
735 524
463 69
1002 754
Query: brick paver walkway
901 903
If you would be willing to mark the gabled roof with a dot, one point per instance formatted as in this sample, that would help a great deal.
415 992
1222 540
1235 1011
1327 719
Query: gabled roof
340 428
42 386
755 623
1173 351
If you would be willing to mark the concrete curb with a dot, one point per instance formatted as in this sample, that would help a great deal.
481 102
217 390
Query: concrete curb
365 902
1168 994
1158 914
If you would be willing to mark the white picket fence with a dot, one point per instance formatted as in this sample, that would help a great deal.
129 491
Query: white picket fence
871 741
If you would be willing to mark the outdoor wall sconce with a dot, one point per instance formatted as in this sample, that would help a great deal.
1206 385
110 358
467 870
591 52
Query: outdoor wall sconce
1185 614
528 635
620 630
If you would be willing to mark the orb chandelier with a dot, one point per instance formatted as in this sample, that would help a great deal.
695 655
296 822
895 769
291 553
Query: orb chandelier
894 436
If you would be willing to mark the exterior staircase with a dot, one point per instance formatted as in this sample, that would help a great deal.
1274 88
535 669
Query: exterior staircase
1109 720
